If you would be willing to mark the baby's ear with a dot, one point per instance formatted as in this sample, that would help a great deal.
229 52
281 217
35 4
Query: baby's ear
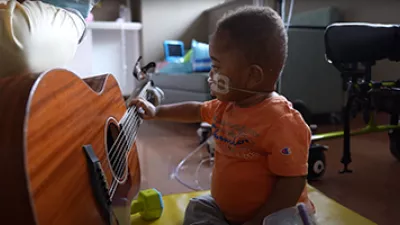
256 74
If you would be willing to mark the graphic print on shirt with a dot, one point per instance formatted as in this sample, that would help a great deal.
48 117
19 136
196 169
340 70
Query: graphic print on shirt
235 139
286 151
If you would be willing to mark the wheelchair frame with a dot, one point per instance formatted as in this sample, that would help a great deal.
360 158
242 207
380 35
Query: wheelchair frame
359 88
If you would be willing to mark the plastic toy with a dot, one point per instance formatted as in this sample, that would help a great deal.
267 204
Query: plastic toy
149 204
196 59
174 51
201 61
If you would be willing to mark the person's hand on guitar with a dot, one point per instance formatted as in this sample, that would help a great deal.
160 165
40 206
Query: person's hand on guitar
186 112
147 109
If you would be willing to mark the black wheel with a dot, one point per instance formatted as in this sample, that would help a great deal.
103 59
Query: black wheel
316 164
394 145
303 110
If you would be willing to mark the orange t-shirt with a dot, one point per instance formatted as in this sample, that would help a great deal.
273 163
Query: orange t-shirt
253 146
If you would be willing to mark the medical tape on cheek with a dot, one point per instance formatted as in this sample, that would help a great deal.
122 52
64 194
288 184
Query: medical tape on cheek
220 84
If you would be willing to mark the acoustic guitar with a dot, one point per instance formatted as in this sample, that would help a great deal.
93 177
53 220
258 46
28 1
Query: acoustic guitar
68 148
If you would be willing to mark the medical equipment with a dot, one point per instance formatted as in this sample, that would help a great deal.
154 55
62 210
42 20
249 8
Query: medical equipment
353 51
354 60
200 175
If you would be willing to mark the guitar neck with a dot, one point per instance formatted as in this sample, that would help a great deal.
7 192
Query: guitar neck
131 121
140 91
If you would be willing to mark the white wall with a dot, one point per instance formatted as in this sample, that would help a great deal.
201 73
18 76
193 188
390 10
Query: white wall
183 19
172 19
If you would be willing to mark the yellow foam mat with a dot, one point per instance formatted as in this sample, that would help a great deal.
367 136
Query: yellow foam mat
329 212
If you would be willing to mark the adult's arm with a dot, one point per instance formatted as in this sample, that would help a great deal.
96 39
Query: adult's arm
36 36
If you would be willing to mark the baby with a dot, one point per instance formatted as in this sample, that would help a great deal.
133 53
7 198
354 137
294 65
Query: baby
261 141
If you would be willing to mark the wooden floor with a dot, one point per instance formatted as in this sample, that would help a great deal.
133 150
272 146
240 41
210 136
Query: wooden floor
372 189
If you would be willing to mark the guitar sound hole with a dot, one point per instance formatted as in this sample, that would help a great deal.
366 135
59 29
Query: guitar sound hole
117 147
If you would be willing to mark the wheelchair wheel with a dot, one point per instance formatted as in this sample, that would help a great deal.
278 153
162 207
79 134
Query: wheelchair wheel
394 143
316 162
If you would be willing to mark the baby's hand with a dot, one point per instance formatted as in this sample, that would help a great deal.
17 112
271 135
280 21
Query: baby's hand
148 108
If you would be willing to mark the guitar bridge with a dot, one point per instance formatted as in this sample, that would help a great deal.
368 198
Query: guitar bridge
99 183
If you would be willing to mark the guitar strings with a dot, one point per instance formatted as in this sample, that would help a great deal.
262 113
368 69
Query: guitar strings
121 166
125 133
133 137
130 136
121 139
130 133
129 126
120 169
117 141
121 151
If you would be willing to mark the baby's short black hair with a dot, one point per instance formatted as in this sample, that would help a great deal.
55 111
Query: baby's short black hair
259 34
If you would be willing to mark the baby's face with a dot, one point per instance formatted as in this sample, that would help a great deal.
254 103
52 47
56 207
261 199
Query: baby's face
228 62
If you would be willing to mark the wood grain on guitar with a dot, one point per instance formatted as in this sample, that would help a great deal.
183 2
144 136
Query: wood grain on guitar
61 137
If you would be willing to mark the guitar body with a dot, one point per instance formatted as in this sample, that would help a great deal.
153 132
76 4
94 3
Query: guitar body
45 123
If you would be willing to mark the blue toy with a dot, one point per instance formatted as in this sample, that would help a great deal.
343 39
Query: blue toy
174 51
201 61
197 59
